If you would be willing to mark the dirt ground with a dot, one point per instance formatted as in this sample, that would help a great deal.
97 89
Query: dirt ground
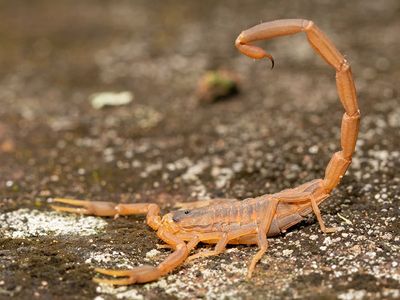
164 147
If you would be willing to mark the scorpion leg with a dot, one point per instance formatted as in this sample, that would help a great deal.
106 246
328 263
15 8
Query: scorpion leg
317 213
193 241
150 273
223 239
262 230
305 197
312 192
110 209
263 244
219 247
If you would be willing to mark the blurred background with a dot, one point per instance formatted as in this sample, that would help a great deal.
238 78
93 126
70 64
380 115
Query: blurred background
149 101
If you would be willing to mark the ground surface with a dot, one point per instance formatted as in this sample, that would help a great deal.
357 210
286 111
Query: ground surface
163 147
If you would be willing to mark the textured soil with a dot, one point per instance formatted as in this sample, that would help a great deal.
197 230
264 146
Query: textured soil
279 131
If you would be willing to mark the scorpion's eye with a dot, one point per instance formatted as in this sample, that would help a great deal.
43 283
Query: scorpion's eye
187 212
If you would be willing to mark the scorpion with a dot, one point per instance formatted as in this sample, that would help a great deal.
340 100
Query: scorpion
230 221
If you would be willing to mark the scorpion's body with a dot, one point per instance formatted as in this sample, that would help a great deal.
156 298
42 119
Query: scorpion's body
228 215
250 221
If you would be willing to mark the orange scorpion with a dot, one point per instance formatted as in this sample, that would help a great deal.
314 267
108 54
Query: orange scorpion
251 221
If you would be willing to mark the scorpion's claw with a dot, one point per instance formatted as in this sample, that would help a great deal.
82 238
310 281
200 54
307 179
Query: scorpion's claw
135 275
85 207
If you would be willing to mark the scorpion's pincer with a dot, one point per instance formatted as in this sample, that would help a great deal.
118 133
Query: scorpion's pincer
84 207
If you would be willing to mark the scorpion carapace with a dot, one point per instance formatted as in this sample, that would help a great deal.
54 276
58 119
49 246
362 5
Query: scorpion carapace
230 221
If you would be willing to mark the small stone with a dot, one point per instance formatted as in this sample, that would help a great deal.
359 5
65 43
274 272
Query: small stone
152 253
313 149
287 252
9 183
45 193
54 178
356 249
371 254
387 236
217 85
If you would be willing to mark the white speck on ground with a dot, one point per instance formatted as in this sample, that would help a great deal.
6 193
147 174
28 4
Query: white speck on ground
122 292
152 253
26 223
287 252
195 170
352 295
119 259
313 149
192 176
327 241
146 117
101 100
222 176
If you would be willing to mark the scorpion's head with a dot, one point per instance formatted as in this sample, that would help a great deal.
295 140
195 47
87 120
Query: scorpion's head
192 219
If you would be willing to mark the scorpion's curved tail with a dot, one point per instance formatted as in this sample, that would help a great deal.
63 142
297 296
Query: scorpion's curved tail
341 160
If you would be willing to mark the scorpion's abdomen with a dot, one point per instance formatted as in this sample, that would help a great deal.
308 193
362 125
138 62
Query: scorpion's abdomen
226 217
274 229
